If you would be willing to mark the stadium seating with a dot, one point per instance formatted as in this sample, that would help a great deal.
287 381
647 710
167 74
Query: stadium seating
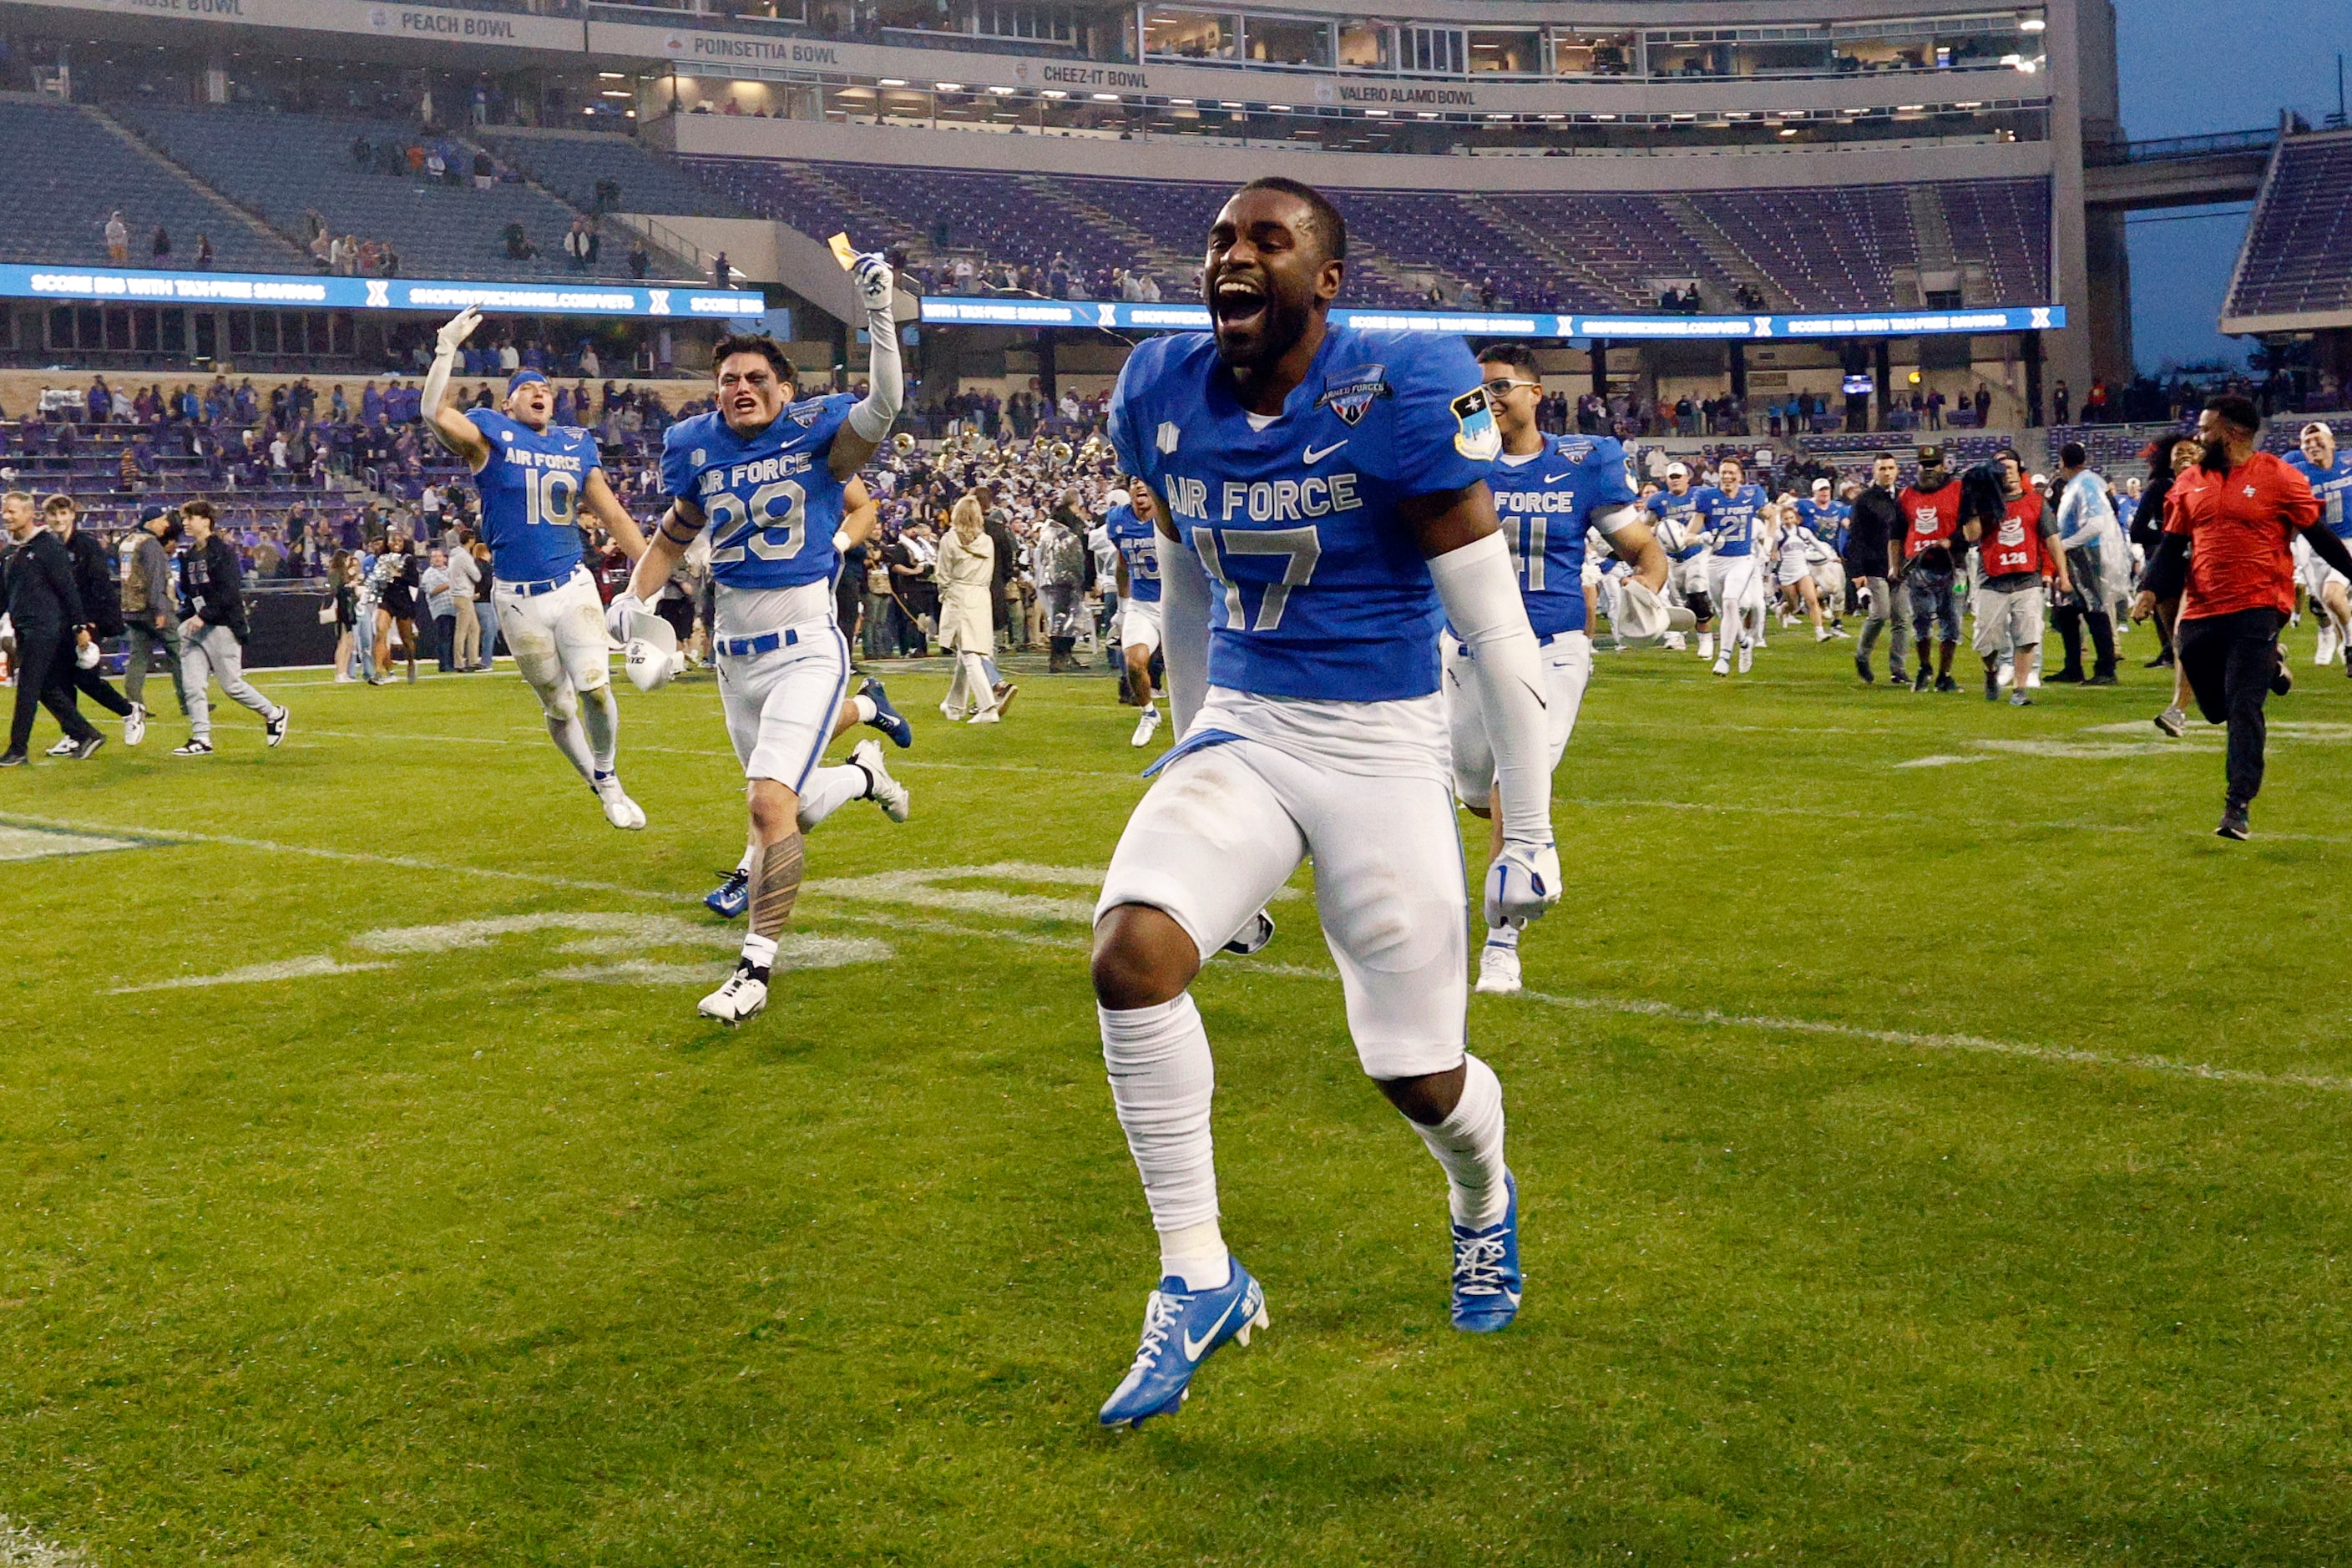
2298 250
570 162
282 165
1826 250
67 170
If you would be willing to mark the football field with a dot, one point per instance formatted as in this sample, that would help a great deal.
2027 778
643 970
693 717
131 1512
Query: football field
1931 1141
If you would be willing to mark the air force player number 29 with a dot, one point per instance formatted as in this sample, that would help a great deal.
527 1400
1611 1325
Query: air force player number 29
769 522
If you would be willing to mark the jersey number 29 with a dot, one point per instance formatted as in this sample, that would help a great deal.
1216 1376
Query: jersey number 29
773 533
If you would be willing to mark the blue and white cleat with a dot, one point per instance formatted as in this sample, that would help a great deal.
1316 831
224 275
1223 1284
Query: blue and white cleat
731 897
1181 1330
887 718
1486 1270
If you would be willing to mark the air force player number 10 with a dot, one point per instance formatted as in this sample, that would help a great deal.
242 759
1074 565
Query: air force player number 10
1266 500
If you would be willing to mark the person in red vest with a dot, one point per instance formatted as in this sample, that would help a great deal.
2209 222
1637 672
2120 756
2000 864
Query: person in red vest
2011 528
2229 526
1931 516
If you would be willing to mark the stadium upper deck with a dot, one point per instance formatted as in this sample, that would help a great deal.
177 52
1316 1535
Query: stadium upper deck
1655 97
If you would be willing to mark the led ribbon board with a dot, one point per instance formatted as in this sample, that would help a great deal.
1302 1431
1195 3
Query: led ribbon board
430 296
1540 325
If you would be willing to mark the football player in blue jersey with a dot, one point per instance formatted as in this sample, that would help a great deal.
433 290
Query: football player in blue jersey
1549 490
1729 515
773 478
2330 474
1322 507
537 479
1138 568
1676 510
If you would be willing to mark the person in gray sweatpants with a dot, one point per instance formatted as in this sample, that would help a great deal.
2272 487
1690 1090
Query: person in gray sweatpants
212 638
148 603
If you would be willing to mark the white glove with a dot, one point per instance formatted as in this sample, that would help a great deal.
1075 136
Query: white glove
620 616
874 285
456 329
1522 883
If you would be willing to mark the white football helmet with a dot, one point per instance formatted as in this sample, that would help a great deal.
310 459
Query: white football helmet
652 656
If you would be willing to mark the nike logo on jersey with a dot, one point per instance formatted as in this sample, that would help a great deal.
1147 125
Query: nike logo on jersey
1555 478
1192 1347
1313 455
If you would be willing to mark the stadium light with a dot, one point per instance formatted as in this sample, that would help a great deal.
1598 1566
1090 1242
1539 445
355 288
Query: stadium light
1228 103
1605 117
613 92
1376 114
1053 92
1003 91
1430 114
2031 24
892 81
1106 97
613 76
1184 102
948 86
1273 108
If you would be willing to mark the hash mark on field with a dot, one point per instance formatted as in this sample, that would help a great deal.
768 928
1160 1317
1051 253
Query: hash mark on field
43 843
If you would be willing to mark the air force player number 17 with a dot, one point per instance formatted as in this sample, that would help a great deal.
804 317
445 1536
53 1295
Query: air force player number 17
1321 592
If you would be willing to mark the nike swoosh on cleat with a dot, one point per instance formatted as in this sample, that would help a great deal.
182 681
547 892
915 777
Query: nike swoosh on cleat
1312 456
1192 1347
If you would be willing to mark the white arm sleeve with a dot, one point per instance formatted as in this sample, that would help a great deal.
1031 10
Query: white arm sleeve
1617 520
436 388
1481 595
1183 630
875 413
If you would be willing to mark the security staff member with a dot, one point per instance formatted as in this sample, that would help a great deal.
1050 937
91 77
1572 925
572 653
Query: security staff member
1873 564
101 605
47 611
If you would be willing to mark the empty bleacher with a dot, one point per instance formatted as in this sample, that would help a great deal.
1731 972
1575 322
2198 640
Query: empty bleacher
571 163
283 165
67 170
2298 251
1826 250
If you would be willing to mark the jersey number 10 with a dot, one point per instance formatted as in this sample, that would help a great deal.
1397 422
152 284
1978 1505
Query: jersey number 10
551 497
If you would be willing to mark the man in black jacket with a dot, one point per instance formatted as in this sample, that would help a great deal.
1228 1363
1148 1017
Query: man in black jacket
47 611
1874 563
212 638
102 604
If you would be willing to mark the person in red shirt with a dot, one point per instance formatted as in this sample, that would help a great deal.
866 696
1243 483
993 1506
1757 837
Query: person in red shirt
2013 530
1931 516
2229 526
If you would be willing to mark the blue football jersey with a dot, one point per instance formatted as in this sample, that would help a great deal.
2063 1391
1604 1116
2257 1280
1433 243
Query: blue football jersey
1132 536
1679 510
2333 486
531 496
1728 519
1821 517
1547 503
771 501
1322 592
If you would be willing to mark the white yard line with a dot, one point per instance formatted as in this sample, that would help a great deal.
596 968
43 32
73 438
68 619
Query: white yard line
20 1548
913 883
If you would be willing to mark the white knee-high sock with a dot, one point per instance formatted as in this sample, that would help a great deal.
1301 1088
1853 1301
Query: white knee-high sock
572 741
1469 1144
1161 1081
953 702
830 789
600 716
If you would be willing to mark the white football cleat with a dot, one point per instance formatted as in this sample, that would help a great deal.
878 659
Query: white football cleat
1499 970
1706 645
1145 728
883 790
134 724
1723 665
1747 659
741 999
619 809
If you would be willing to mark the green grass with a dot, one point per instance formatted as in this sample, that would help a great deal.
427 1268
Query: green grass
461 1261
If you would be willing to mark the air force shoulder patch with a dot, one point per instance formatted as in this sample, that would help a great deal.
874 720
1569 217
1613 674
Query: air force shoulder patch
1477 436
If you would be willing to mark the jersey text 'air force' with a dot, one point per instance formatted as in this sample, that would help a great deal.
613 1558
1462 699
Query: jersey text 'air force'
2333 486
1131 536
1727 519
